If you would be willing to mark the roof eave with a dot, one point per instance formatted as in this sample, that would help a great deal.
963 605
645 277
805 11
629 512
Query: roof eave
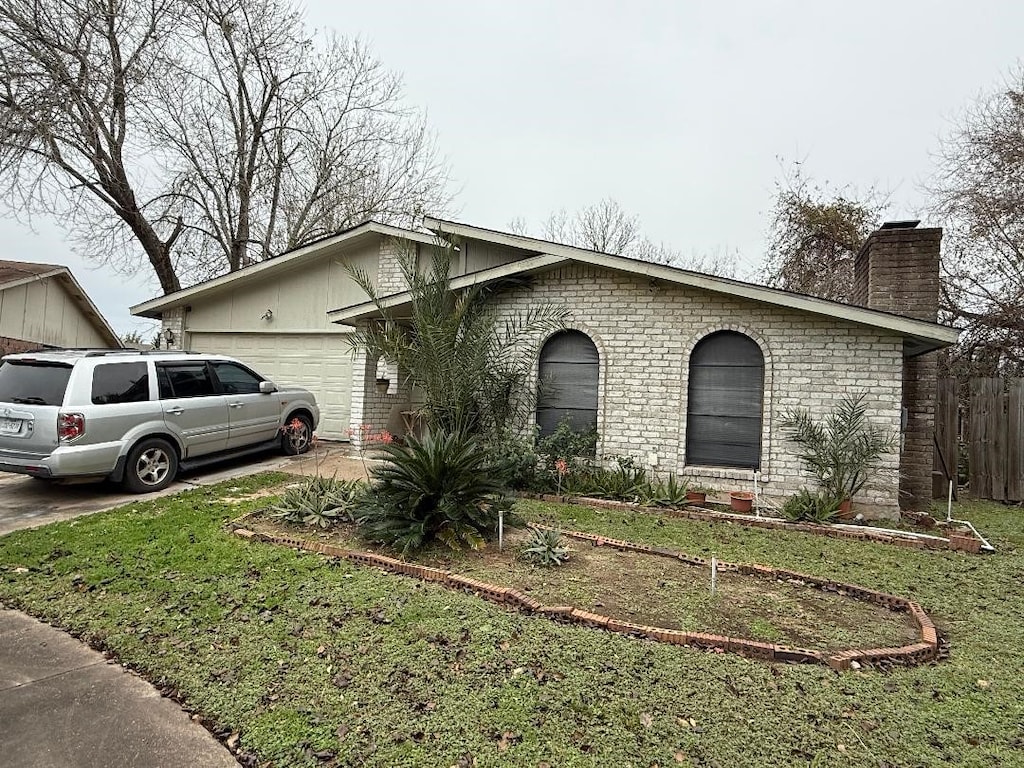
154 308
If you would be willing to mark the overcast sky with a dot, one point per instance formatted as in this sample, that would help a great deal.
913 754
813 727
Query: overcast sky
680 111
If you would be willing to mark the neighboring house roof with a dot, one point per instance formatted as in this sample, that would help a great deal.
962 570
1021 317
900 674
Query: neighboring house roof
16 273
353 236
920 336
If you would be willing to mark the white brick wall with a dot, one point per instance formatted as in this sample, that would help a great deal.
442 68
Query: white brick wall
173 319
390 278
645 332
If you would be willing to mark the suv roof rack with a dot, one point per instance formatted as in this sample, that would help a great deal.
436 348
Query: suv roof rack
105 352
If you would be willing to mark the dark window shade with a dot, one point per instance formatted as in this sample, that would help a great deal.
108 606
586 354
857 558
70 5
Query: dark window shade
726 392
569 373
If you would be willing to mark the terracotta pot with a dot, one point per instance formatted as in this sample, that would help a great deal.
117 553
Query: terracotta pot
741 501
696 497
845 510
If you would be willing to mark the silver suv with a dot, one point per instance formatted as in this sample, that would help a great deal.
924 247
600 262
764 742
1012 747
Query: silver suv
139 417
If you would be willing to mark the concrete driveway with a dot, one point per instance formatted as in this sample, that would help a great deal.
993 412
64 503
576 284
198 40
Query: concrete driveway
26 502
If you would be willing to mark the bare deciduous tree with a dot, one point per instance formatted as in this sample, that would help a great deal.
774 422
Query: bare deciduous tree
978 195
815 234
606 227
206 134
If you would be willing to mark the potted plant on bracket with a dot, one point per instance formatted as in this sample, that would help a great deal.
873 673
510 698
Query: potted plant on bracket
843 451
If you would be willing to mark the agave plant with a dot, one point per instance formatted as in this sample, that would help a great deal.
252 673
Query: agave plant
844 450
318 501
805 505
439 486
545 547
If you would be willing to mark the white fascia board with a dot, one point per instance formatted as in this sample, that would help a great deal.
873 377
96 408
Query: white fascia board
153 307
91 310
919 329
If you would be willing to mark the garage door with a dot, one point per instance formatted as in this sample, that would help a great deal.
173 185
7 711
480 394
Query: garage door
320 363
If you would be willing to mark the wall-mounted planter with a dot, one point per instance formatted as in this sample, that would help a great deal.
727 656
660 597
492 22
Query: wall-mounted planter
741 501
383 385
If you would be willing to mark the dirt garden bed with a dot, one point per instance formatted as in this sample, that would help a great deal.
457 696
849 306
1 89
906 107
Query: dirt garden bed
660 594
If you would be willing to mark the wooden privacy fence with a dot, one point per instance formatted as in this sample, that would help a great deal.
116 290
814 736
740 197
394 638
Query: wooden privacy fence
990 423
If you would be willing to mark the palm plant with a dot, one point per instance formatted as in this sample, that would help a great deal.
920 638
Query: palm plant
439 486
844 450
472 364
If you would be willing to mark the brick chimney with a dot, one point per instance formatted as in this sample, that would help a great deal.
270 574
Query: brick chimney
897 270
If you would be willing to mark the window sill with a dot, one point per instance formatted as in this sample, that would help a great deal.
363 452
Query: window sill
725 473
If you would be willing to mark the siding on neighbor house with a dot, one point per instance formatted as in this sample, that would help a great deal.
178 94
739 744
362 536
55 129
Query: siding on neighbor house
43 312
645 333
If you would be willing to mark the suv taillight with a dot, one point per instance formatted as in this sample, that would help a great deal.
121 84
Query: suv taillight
70 426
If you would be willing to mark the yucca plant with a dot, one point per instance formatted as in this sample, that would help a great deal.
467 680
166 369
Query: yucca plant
438 486
844 450
545 547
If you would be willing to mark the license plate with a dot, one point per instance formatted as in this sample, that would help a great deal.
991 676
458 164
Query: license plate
10 426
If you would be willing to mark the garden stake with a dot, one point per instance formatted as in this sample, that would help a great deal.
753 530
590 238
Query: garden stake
714 573
501 529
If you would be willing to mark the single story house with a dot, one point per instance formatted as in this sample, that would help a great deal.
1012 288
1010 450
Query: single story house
686 372
43 306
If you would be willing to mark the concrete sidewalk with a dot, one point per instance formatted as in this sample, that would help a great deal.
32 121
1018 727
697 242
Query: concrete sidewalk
63 705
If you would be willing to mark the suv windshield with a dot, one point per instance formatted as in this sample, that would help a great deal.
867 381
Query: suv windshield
33 382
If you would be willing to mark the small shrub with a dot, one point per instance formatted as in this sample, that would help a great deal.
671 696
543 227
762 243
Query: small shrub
319 501
546 548
440 486
805 506
568 443
520 466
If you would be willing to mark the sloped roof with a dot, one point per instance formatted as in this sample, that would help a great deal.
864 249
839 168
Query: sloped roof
920 336
15 273
287 260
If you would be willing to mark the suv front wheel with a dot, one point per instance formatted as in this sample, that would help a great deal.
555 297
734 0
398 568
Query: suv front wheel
152 465
296 435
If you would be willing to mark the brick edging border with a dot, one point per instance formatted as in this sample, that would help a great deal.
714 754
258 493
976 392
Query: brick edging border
961 542
917 653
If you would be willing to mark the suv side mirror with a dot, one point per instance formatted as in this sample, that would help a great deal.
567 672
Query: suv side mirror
267 387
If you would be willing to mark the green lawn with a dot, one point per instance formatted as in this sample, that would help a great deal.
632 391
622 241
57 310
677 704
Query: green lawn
319 663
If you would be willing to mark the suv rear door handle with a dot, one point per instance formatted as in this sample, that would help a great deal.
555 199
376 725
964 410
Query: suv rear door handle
175 411
236 405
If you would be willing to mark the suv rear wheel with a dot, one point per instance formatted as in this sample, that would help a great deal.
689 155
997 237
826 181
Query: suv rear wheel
152 465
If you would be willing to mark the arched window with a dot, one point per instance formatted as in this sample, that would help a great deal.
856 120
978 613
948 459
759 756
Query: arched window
723 419
568 373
